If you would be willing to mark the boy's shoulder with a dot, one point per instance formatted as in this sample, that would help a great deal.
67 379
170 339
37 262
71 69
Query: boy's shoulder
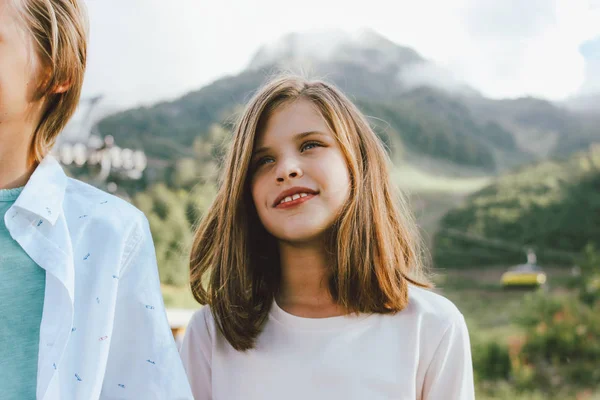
83 200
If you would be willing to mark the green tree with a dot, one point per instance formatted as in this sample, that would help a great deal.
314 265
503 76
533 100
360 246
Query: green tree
589 280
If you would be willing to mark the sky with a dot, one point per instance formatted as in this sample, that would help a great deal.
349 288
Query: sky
145 51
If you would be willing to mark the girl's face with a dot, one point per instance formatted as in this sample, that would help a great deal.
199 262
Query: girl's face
300 180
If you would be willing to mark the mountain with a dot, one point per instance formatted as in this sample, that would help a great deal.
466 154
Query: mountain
552 207
365 47
167 130
584 103
415 105
433 123
363 63
540 127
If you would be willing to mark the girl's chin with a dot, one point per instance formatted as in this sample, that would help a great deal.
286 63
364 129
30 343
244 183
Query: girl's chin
301 237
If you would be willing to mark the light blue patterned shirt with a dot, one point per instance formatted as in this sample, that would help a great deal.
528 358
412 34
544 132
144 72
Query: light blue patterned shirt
104 332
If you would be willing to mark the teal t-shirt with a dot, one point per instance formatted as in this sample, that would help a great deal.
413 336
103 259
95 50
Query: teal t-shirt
22 287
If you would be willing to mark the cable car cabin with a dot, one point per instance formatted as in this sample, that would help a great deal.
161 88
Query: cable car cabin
524 276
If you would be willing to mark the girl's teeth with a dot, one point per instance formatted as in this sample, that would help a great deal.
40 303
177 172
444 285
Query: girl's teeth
294 197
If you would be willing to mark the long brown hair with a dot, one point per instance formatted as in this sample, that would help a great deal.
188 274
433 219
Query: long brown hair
375 245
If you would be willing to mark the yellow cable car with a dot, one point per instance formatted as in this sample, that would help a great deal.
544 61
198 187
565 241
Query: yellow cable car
524 275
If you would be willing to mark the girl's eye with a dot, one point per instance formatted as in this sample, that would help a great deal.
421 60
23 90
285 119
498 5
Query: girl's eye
309 145
263 161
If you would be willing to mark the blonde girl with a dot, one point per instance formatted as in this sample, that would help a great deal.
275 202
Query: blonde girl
309 263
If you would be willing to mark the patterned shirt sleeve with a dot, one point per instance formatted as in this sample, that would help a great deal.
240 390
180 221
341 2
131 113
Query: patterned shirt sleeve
143 361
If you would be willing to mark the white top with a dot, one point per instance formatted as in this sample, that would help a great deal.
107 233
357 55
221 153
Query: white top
104 333
422 352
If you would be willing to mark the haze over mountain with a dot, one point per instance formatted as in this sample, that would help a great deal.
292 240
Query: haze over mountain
417 106
334 54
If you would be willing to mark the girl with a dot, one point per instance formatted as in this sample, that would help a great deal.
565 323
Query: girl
81 313
310 264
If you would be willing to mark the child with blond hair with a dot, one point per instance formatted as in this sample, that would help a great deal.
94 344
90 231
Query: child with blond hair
310 267
81 312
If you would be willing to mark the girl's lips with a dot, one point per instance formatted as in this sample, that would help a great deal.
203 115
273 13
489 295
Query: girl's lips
296 202
291 192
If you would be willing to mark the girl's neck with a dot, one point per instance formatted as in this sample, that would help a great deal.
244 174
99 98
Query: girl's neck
304 287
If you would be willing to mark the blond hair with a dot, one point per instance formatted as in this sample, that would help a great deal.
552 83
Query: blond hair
58 29
375 246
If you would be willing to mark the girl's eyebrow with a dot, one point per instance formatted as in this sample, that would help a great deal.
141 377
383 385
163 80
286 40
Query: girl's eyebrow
298 136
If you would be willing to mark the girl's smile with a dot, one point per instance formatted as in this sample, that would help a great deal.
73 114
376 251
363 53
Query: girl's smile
293 197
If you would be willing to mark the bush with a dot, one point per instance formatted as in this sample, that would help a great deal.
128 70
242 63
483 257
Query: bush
491 361
561 346
172 215
589 279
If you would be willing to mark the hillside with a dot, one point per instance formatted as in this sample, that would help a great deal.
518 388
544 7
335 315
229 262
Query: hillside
553 207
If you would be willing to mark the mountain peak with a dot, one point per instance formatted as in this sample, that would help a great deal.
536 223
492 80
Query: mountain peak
361 59
305 49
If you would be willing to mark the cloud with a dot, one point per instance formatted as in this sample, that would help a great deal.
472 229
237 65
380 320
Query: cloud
493 19
138 51
428 74
591 51
143 51
513 48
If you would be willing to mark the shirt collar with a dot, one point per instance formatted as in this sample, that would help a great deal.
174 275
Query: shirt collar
44 193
